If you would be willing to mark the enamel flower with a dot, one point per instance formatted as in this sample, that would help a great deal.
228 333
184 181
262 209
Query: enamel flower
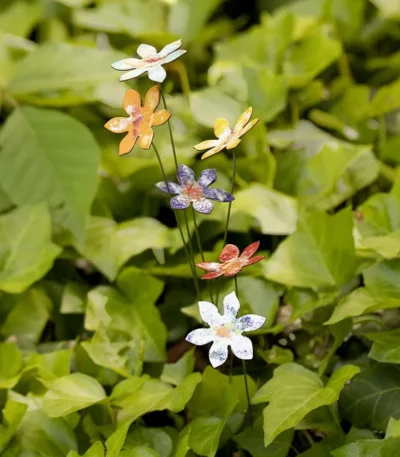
196 192
150 61
227 138
232 263
225 330
141 119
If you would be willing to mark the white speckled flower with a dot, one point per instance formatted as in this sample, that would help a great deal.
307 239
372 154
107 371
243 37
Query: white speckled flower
225 330
151 61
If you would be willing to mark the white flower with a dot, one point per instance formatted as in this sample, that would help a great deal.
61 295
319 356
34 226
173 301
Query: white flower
150 61
225 330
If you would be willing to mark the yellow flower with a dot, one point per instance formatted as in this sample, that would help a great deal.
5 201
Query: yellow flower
227 138
141 120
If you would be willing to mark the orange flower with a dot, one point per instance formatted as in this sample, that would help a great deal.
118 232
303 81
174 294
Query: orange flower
140 121
232 263
227 138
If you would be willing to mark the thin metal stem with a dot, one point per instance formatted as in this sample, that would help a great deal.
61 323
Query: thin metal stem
244 366
196 229
178 223
229 211
170 131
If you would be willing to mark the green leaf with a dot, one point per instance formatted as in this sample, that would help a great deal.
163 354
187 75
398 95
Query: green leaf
155 438
372 397
96 450
175 373
28 316
132 310
383 282
252 440
71 393
63 157
62 74
12 416
293 392
132 17
369 448
358 302
388 9
115 441
10 365
267 92
26 252
105 353
187 19
20 18
139 396
274 213
276 355
319 254
305 59
73 298
386 347
96 313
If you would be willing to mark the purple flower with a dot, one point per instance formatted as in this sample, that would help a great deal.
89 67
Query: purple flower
196 192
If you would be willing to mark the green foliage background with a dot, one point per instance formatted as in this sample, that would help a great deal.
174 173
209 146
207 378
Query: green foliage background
95 291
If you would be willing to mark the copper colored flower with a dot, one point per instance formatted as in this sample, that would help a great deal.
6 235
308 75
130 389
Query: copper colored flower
141 119
227 138
232 262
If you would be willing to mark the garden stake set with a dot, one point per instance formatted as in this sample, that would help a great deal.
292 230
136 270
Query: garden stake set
224 330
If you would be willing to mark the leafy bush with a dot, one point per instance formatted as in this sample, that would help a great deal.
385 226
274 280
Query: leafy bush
96 293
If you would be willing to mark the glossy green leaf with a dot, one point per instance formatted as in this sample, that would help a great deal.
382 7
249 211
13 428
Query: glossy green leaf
13 413
370 448
382 282
293 392
71 393
26 252
386 346
10 365
319 254
252 440
20 18
63 157
372 397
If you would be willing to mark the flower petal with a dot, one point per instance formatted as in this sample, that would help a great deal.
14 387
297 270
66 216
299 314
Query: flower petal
160 117
232 144
255 259
250 322
145 50
152 99
201 336
207 177
243 119
242 347
212 275
231 305
249 126
209 266
132 74
218 194
118 124
171 47
125 64
203 206
173 56
210 314
145 135
221 127
206 144
212 151
132 99
180 202
229 252
218 353
157 74
171 188
250 250
185 174
127 144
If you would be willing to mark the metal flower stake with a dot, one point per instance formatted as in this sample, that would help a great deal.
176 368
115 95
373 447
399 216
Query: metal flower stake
225 330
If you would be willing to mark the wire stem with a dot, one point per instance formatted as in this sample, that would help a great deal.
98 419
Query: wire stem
228 216
244 366
196 229
170 132
196 284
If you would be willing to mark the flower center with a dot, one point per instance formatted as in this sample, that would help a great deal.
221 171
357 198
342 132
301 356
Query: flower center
193 191
231 266
224 332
